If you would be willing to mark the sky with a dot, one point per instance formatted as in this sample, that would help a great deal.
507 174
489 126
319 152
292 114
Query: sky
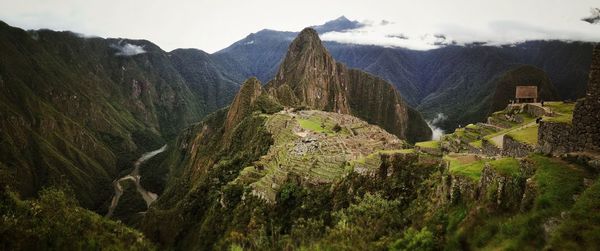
214 25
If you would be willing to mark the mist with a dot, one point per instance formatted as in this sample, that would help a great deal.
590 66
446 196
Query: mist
437 132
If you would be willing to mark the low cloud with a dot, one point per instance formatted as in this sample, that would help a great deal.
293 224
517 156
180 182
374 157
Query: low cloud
433 125
127 49
426 36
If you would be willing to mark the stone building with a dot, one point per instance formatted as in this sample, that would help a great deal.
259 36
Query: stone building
526 94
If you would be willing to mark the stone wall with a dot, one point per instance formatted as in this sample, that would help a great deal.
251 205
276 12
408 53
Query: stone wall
586 117
493 191
584 134
501 191
514 148
534 110
555 138
489 149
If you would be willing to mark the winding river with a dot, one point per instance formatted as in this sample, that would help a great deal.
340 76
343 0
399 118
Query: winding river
148 196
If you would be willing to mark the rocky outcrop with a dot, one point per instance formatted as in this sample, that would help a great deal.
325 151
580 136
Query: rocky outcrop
243 102
502 191
310 77
495 189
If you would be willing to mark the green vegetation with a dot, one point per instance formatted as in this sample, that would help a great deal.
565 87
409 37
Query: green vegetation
556 183
580 230
477 144
506 166
429 144
314 125
56 222
563 112
528 135
414 240
466 165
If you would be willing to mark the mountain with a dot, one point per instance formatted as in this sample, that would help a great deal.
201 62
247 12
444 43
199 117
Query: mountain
429 80
309 76
521 75
300 127
258 175
79 111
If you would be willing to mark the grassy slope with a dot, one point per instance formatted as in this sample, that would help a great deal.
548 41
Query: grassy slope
564 112
556 183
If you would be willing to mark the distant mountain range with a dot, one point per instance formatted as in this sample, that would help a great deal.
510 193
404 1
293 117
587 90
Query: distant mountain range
454 80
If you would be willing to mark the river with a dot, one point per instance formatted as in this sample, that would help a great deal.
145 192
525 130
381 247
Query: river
148 196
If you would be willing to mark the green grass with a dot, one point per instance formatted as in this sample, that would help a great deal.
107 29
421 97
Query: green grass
527 135
476 144
471 126
506 166
316 124
564 112
556 182
469 168
581 230
429 144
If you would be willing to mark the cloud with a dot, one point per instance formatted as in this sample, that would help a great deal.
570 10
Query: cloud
427 35
437 132
127 49
594 18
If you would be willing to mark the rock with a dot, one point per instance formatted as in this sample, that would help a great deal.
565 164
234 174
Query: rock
310 77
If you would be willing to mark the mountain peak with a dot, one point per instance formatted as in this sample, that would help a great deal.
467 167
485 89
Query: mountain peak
342 18
308 33
339 24
310 77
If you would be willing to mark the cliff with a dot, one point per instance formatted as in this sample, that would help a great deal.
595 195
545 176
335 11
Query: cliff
310 77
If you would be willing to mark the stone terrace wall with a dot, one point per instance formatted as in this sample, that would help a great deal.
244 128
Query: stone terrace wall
586 117
555 138
513 148
534 110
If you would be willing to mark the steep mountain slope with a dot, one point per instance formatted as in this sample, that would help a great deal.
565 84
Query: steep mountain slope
309 76
297 129
306 179
428 80
79 110
521 75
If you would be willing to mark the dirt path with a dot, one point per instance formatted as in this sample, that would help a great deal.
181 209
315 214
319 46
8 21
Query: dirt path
134 176
499 139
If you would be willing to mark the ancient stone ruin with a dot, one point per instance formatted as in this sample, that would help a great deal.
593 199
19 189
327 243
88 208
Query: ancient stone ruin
583 134
586 117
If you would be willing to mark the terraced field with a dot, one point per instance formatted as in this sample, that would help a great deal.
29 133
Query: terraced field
319 148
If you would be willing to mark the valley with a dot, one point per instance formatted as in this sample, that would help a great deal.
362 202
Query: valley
135 177
283 141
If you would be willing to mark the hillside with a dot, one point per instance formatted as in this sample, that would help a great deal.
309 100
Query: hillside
430 80
260 175
309 76
80 110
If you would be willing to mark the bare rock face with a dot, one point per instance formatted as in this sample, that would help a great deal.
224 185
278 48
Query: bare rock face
242 103
310 77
